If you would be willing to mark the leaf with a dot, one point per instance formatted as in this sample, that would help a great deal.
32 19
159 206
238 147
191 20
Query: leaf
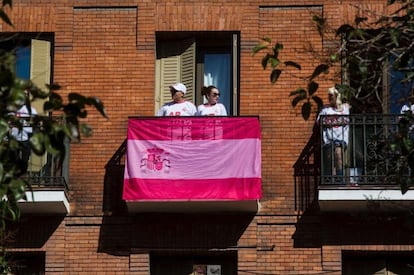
318 102
293 64
312 87
320 24
86 130
18 186
259 48
344 29
54 147
363 69
38 93
37 142
74 132
299 91
321 68
4 128
306 109
5 18
265 60
53 87
395 36
98 104
358 20
404 187
274 62
76 97
7 2
277 48
299 98
56 101
275 75
267 39
1 173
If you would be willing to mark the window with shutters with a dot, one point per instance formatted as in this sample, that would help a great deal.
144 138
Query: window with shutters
198 59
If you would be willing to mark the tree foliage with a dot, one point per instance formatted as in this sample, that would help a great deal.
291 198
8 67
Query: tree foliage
63 122
368 50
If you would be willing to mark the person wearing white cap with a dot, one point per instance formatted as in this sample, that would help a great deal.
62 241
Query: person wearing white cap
178 106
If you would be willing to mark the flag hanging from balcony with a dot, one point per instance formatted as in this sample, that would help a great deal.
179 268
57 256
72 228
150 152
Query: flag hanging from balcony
196 158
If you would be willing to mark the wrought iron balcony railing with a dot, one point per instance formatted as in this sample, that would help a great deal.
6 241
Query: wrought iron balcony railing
362 155
47 171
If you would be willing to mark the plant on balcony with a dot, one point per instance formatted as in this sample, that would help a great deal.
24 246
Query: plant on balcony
50 135
361 52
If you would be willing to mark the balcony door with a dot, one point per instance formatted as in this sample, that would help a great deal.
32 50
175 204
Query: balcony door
33 62
198 59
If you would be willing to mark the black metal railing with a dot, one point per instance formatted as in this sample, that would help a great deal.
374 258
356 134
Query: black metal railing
113 182
49 171
366 159
307 172
363 158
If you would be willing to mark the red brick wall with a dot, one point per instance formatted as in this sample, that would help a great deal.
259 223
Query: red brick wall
107 49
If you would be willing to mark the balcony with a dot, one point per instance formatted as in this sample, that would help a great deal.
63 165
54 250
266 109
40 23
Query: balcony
185 165
366 180
48 187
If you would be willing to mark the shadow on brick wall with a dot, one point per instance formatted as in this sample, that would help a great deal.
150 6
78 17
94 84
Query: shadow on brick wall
316 229
33 231
171 231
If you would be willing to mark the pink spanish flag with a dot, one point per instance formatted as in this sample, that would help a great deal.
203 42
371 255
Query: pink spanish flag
193 159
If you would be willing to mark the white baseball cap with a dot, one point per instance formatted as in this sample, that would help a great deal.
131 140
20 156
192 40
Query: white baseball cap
179 87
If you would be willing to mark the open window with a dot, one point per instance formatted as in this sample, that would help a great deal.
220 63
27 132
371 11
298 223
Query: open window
32 60
198 59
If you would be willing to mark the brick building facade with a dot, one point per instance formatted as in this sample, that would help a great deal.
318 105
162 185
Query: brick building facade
113 50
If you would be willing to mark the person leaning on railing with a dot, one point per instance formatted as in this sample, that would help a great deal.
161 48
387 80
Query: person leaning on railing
334 118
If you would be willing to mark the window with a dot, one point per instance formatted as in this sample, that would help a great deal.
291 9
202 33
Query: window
379 86
198 59
32 54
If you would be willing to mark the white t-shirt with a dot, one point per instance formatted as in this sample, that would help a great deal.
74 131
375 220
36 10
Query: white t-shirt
336 124
23 135
217 109
185 108
406 108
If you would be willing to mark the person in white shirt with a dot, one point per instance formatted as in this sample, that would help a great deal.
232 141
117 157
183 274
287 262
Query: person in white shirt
22 135
178 106
334 118
212 107
408 111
